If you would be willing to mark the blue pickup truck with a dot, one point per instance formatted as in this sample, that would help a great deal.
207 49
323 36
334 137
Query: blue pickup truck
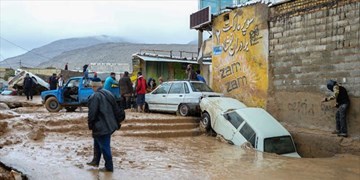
74 94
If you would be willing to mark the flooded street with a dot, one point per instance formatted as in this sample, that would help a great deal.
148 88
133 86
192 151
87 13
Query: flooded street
45 145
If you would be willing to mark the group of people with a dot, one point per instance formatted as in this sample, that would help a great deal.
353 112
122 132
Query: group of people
56 81
105 116
29 84
127 91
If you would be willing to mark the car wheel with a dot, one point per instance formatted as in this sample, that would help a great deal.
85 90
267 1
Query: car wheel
184 110
52 105
205 125
70 109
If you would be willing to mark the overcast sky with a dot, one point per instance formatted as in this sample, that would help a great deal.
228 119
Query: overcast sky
31 24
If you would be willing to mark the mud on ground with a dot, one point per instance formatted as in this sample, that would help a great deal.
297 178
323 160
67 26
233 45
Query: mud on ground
46 145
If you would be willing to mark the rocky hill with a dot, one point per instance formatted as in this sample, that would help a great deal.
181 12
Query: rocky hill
109 53
45 53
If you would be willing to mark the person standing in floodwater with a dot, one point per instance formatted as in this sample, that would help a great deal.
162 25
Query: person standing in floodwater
104 118
28 86
126 89
60 81
140 92
110 82
342 103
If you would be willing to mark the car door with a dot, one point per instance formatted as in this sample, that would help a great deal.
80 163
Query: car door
227 125
71 91
175 96
245 133
156 100
85 91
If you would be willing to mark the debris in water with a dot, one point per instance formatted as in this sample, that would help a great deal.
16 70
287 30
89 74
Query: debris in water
16 175
37 133
3 127
3 106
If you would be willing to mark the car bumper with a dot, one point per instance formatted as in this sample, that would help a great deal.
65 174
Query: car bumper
194 107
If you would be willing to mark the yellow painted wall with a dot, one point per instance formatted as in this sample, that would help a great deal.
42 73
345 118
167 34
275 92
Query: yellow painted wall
240 54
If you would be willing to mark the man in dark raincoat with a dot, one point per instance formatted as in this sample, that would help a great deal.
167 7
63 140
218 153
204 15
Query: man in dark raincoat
104 118
28 86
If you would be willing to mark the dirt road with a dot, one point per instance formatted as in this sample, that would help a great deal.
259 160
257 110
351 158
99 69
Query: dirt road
46 145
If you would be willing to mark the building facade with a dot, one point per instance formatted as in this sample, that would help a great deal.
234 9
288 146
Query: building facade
280 56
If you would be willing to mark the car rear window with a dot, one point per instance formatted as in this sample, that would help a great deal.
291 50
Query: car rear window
200 87
234 119
279 145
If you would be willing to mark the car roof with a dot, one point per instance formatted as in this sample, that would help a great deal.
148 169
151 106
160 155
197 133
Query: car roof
262 122
182 81
226 103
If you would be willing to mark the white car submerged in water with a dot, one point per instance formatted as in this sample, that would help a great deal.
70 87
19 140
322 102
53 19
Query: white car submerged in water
238 124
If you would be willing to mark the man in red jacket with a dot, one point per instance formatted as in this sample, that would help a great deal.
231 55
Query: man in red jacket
140 91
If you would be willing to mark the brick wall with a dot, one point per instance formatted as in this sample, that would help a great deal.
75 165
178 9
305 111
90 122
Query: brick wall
309 43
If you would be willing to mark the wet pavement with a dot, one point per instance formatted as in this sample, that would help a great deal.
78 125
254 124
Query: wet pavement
46 145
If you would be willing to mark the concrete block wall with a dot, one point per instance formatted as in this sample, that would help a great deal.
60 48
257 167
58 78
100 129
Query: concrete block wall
309 43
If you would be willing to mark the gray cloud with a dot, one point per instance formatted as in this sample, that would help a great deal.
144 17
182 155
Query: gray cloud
31 24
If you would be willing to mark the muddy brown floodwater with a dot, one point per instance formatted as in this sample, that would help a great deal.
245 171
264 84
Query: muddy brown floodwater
45 145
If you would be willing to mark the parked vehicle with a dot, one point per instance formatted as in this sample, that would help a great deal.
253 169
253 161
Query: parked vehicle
178 96
74 93
16 83
238 124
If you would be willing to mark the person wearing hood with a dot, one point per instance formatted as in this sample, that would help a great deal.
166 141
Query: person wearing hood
151 85
342 103
140 92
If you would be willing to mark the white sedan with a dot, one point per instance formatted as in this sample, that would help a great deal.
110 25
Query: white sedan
238 124
178 96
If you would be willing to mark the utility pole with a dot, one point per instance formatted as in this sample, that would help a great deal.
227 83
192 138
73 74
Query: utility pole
20 63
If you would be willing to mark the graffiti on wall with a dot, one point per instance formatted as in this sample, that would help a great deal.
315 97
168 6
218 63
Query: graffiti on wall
305 109
240 54
302 107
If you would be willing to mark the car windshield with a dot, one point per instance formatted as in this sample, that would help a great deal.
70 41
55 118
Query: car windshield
279 145
200 87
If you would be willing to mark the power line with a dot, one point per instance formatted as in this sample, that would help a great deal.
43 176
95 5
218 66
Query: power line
25 49
5 61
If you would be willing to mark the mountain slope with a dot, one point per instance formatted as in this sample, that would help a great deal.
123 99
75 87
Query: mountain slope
47 52
109 53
